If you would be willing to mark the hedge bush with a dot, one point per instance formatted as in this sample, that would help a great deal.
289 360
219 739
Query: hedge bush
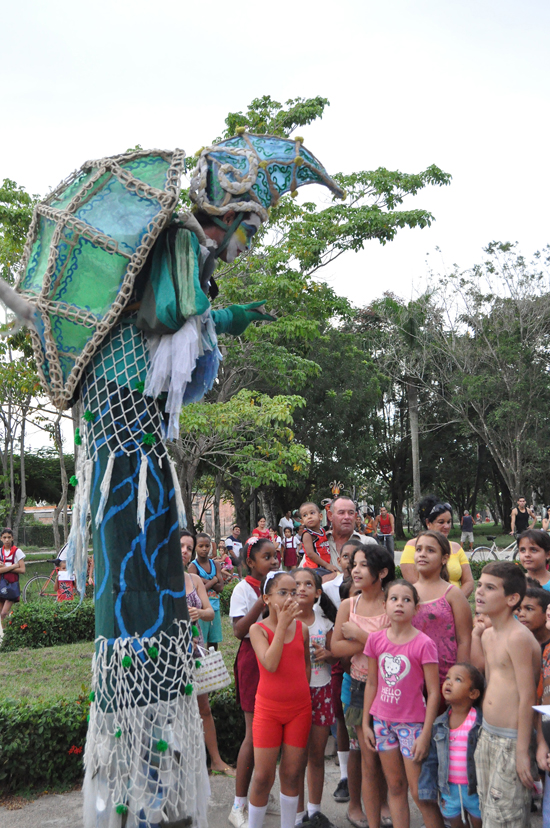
225 597
46 623
229 719
41 747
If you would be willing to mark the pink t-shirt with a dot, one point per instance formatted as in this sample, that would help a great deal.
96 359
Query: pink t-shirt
400 676
458 750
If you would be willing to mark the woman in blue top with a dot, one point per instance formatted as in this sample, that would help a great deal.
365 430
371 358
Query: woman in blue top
210 573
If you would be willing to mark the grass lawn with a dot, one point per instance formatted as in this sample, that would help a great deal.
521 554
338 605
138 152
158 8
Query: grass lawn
46 674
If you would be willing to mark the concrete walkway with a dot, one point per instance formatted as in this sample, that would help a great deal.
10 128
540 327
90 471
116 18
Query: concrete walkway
65 810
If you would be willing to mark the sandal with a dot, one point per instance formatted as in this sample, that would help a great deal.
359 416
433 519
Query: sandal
358 823
230 772
386 822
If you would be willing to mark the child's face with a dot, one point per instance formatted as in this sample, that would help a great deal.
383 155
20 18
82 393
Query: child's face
288 533
264 561
548 617
310 516
428 557
361 574
490 597
532 557
186 546
457 687
306 589
202 548
7 539
284 586
400 604
531 614
480 619
63 565
344 559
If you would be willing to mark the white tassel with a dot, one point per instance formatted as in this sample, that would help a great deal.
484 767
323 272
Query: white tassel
182 519
142 491
104 489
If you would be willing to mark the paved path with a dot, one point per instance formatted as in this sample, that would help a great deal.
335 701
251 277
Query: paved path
65 810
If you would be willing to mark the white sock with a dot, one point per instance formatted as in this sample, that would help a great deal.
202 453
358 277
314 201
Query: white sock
300 815
313 809
289 809
240 802
343 756
256 815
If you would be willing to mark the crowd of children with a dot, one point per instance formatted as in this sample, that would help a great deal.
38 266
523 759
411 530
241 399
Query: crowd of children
424 700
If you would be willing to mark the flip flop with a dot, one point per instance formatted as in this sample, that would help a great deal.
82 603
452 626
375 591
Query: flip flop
386 822
358 823
230 772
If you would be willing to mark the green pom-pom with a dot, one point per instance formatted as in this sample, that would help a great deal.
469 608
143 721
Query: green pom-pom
197 664
140 386
162 746
195 631
127 661
118 734
188 689
77 437
153 652
73 480
121 809
92 696
89 416
149 439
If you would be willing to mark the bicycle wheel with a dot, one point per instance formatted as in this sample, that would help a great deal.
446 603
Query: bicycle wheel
483 553
37 588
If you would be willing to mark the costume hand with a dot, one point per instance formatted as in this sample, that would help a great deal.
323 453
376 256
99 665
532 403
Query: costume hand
243 315
523 769
350 630
370 738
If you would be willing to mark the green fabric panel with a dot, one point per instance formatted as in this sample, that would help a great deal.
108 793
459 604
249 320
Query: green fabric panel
223 319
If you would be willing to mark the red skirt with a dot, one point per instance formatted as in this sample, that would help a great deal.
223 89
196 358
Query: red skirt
291 558
247 676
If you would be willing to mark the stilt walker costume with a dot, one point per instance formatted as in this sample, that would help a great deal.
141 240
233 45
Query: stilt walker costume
115 287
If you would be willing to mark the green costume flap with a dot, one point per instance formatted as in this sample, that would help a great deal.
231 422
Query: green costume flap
172 293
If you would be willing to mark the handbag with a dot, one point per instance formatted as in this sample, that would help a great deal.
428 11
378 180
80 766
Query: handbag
9 591
212 674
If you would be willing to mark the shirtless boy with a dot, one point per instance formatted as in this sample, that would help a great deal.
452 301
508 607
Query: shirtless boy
512 666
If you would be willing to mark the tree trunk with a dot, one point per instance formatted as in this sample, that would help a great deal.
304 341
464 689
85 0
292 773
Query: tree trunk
412 398
23 497
216 507
61 507
241 508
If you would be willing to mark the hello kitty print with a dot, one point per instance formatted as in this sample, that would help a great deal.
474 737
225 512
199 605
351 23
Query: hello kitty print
399 695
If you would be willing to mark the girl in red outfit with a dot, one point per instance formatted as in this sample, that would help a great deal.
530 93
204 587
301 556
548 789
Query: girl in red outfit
282 714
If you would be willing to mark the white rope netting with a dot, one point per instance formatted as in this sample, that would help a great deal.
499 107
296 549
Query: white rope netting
145 758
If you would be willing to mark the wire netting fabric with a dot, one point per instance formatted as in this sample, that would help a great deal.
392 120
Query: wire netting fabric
145 759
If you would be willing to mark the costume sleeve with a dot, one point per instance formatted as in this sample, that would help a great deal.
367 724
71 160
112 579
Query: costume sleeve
235 319
407 556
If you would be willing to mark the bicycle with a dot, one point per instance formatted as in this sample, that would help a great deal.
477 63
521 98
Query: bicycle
494 552
40 586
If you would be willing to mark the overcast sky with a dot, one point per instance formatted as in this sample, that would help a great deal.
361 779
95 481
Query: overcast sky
463 85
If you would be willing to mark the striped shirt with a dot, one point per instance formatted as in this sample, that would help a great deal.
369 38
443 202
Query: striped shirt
458 750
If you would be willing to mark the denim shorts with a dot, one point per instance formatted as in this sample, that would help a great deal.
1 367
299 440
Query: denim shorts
451 805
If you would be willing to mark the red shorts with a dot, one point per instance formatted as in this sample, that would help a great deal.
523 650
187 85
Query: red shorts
322 711
277 724
336 678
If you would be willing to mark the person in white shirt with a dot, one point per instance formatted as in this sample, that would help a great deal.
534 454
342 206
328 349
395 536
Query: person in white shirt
234 547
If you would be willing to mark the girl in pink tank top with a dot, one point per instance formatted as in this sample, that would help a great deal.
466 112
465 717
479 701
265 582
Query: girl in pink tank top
371 568
444 613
